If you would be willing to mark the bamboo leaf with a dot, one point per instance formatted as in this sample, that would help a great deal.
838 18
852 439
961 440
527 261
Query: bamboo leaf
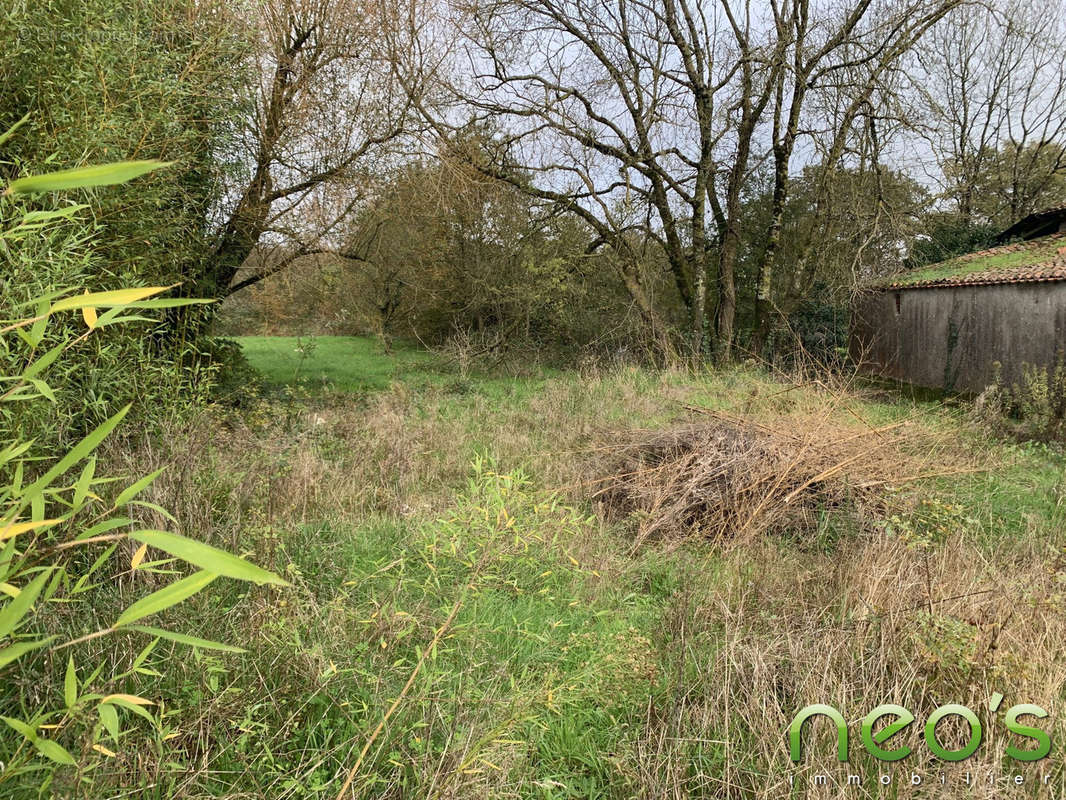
111 317
207 557
15 528
54 751
114 297
37 331
70 684
11 131
43 362
170 302
6 555
76 454
135 489
53 585
17 651
127 698
13 451
27 338
18 607
138 556
107 319
84 177
38 219
143 655
100 561
164 598
85 480
136 708
154 507
18 725
182 638
104 527
109 719
43 388
41 301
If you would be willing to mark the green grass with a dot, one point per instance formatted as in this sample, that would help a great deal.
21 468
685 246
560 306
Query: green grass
577 665
1005 501
543 673
359 365
344 363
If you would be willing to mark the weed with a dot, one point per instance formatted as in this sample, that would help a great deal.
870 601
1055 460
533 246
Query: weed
1033 408
576 664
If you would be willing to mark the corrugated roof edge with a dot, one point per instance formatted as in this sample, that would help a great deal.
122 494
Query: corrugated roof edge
955 284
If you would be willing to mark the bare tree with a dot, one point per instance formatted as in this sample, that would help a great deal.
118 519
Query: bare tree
323 108
648 116
612 112
994 79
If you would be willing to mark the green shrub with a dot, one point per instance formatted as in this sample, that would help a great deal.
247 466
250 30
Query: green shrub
65 536
99 81
99 374
1039 400
1032 408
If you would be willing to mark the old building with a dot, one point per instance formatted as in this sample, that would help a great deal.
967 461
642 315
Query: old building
953 325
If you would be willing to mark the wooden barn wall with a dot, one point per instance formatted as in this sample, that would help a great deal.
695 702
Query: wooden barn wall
949 338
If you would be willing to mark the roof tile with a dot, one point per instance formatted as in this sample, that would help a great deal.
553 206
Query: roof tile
1032 261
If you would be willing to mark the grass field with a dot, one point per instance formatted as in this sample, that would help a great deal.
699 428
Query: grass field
466 622
355 365
346 363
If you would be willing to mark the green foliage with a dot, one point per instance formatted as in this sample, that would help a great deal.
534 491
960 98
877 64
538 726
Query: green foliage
1040 399
54 245
857 227
1032 408
820 330
933 522
946 236
448 257
945 650
61 527
103 81
1013 181
96 81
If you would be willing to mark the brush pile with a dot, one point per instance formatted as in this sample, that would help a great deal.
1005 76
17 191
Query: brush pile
731 477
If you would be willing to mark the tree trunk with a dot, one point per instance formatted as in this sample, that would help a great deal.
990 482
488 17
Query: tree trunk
763 322
634 286
727 290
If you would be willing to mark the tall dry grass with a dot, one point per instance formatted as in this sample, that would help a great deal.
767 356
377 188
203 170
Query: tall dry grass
751 628
878 622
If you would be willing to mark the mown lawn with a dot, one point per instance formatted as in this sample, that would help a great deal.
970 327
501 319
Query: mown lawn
356 365
345 363
449 562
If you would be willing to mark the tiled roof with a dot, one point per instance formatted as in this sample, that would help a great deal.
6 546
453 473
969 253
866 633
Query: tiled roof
1037 260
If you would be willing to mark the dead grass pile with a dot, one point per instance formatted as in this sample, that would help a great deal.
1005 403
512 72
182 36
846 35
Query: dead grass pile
736 477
